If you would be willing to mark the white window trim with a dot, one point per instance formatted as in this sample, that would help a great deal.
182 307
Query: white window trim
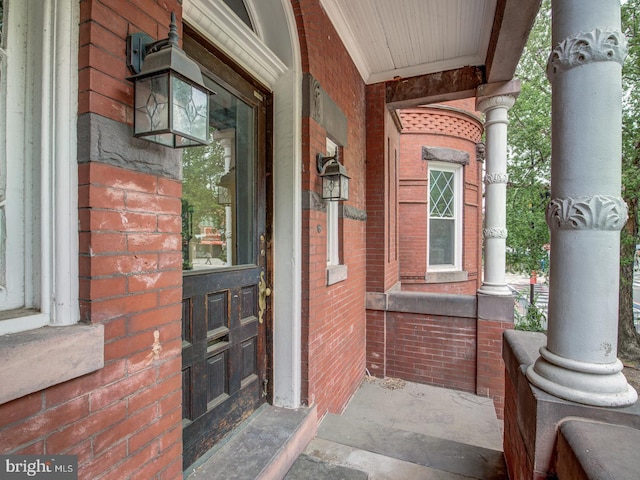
458 172
38 355
336 271
41 123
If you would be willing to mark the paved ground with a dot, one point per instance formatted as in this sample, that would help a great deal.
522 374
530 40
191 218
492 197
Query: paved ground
396 430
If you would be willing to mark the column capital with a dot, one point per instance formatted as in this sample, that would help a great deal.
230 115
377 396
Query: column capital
587 47
498 94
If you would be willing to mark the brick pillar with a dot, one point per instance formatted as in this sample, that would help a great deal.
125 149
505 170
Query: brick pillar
495 315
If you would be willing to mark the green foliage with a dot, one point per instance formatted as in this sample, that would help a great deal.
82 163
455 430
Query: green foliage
529 153
630 117
532 319
202 168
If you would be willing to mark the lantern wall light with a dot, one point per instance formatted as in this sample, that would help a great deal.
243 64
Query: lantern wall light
170 99
335 181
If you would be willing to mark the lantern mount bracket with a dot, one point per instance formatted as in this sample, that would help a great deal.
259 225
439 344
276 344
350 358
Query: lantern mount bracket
322 161
139 45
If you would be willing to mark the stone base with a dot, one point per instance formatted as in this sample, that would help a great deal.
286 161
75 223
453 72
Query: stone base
532 416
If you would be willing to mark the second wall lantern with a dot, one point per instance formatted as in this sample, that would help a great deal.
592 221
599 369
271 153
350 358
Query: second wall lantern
171 101
335 181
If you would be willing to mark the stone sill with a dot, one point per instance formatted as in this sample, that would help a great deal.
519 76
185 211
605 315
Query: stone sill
46 356
438 304
336 274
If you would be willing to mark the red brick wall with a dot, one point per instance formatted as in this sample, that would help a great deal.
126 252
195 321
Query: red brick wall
333 317
104 26
124 420
490 369
434 350
383 156
449 127
519 465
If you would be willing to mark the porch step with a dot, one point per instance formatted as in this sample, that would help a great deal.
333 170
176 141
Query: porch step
264 447
391 453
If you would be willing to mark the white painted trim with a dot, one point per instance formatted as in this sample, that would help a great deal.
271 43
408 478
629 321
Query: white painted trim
219 25
274 59
458 172
50 79
64 135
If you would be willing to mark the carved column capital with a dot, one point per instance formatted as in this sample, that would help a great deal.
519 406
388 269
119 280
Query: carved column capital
498 177
587 47
497 101
597 212
494 232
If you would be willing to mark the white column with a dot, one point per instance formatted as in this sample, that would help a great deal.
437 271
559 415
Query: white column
495 100
586 212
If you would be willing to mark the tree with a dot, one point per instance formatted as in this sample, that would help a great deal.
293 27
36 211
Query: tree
628 338
202 168
529 153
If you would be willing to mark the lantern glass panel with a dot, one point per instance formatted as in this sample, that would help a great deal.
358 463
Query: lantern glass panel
330 187
190 111
151 105
344 188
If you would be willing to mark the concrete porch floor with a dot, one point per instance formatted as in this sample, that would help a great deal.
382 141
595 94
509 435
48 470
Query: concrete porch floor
393 429
390 430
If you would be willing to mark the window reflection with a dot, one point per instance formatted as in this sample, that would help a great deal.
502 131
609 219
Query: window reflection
219 188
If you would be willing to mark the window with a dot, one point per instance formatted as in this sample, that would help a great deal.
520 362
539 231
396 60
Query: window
445 217
336 272
38 178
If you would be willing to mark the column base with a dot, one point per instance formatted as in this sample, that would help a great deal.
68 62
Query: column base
600 385
489 288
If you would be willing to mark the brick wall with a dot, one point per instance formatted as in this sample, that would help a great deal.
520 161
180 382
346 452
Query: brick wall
518 462
434 350
383 156
490 369
451 125
333 316
124 420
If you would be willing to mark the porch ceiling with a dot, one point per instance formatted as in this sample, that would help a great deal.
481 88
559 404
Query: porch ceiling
409 38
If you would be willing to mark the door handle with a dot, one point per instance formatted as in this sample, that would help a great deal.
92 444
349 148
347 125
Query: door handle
263 293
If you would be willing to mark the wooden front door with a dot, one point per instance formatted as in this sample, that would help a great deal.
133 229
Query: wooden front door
224 261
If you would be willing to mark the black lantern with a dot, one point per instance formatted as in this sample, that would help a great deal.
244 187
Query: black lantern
170 100
335 181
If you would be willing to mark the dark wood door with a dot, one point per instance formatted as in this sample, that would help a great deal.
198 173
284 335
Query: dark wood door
224 257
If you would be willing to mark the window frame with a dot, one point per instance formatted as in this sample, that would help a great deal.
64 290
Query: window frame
458 171
336 270
41 250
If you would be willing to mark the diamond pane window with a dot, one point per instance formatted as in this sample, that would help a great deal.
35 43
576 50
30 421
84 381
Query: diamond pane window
445 194
441 193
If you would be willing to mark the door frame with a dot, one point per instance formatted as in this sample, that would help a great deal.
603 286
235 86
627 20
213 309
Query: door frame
273 57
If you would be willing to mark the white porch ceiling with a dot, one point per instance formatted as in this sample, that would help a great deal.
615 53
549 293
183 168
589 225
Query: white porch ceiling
405 38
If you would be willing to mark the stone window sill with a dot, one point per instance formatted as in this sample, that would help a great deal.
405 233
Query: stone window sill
43 357
336 273
447 276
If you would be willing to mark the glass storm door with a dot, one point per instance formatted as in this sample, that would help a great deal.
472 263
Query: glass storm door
223 238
